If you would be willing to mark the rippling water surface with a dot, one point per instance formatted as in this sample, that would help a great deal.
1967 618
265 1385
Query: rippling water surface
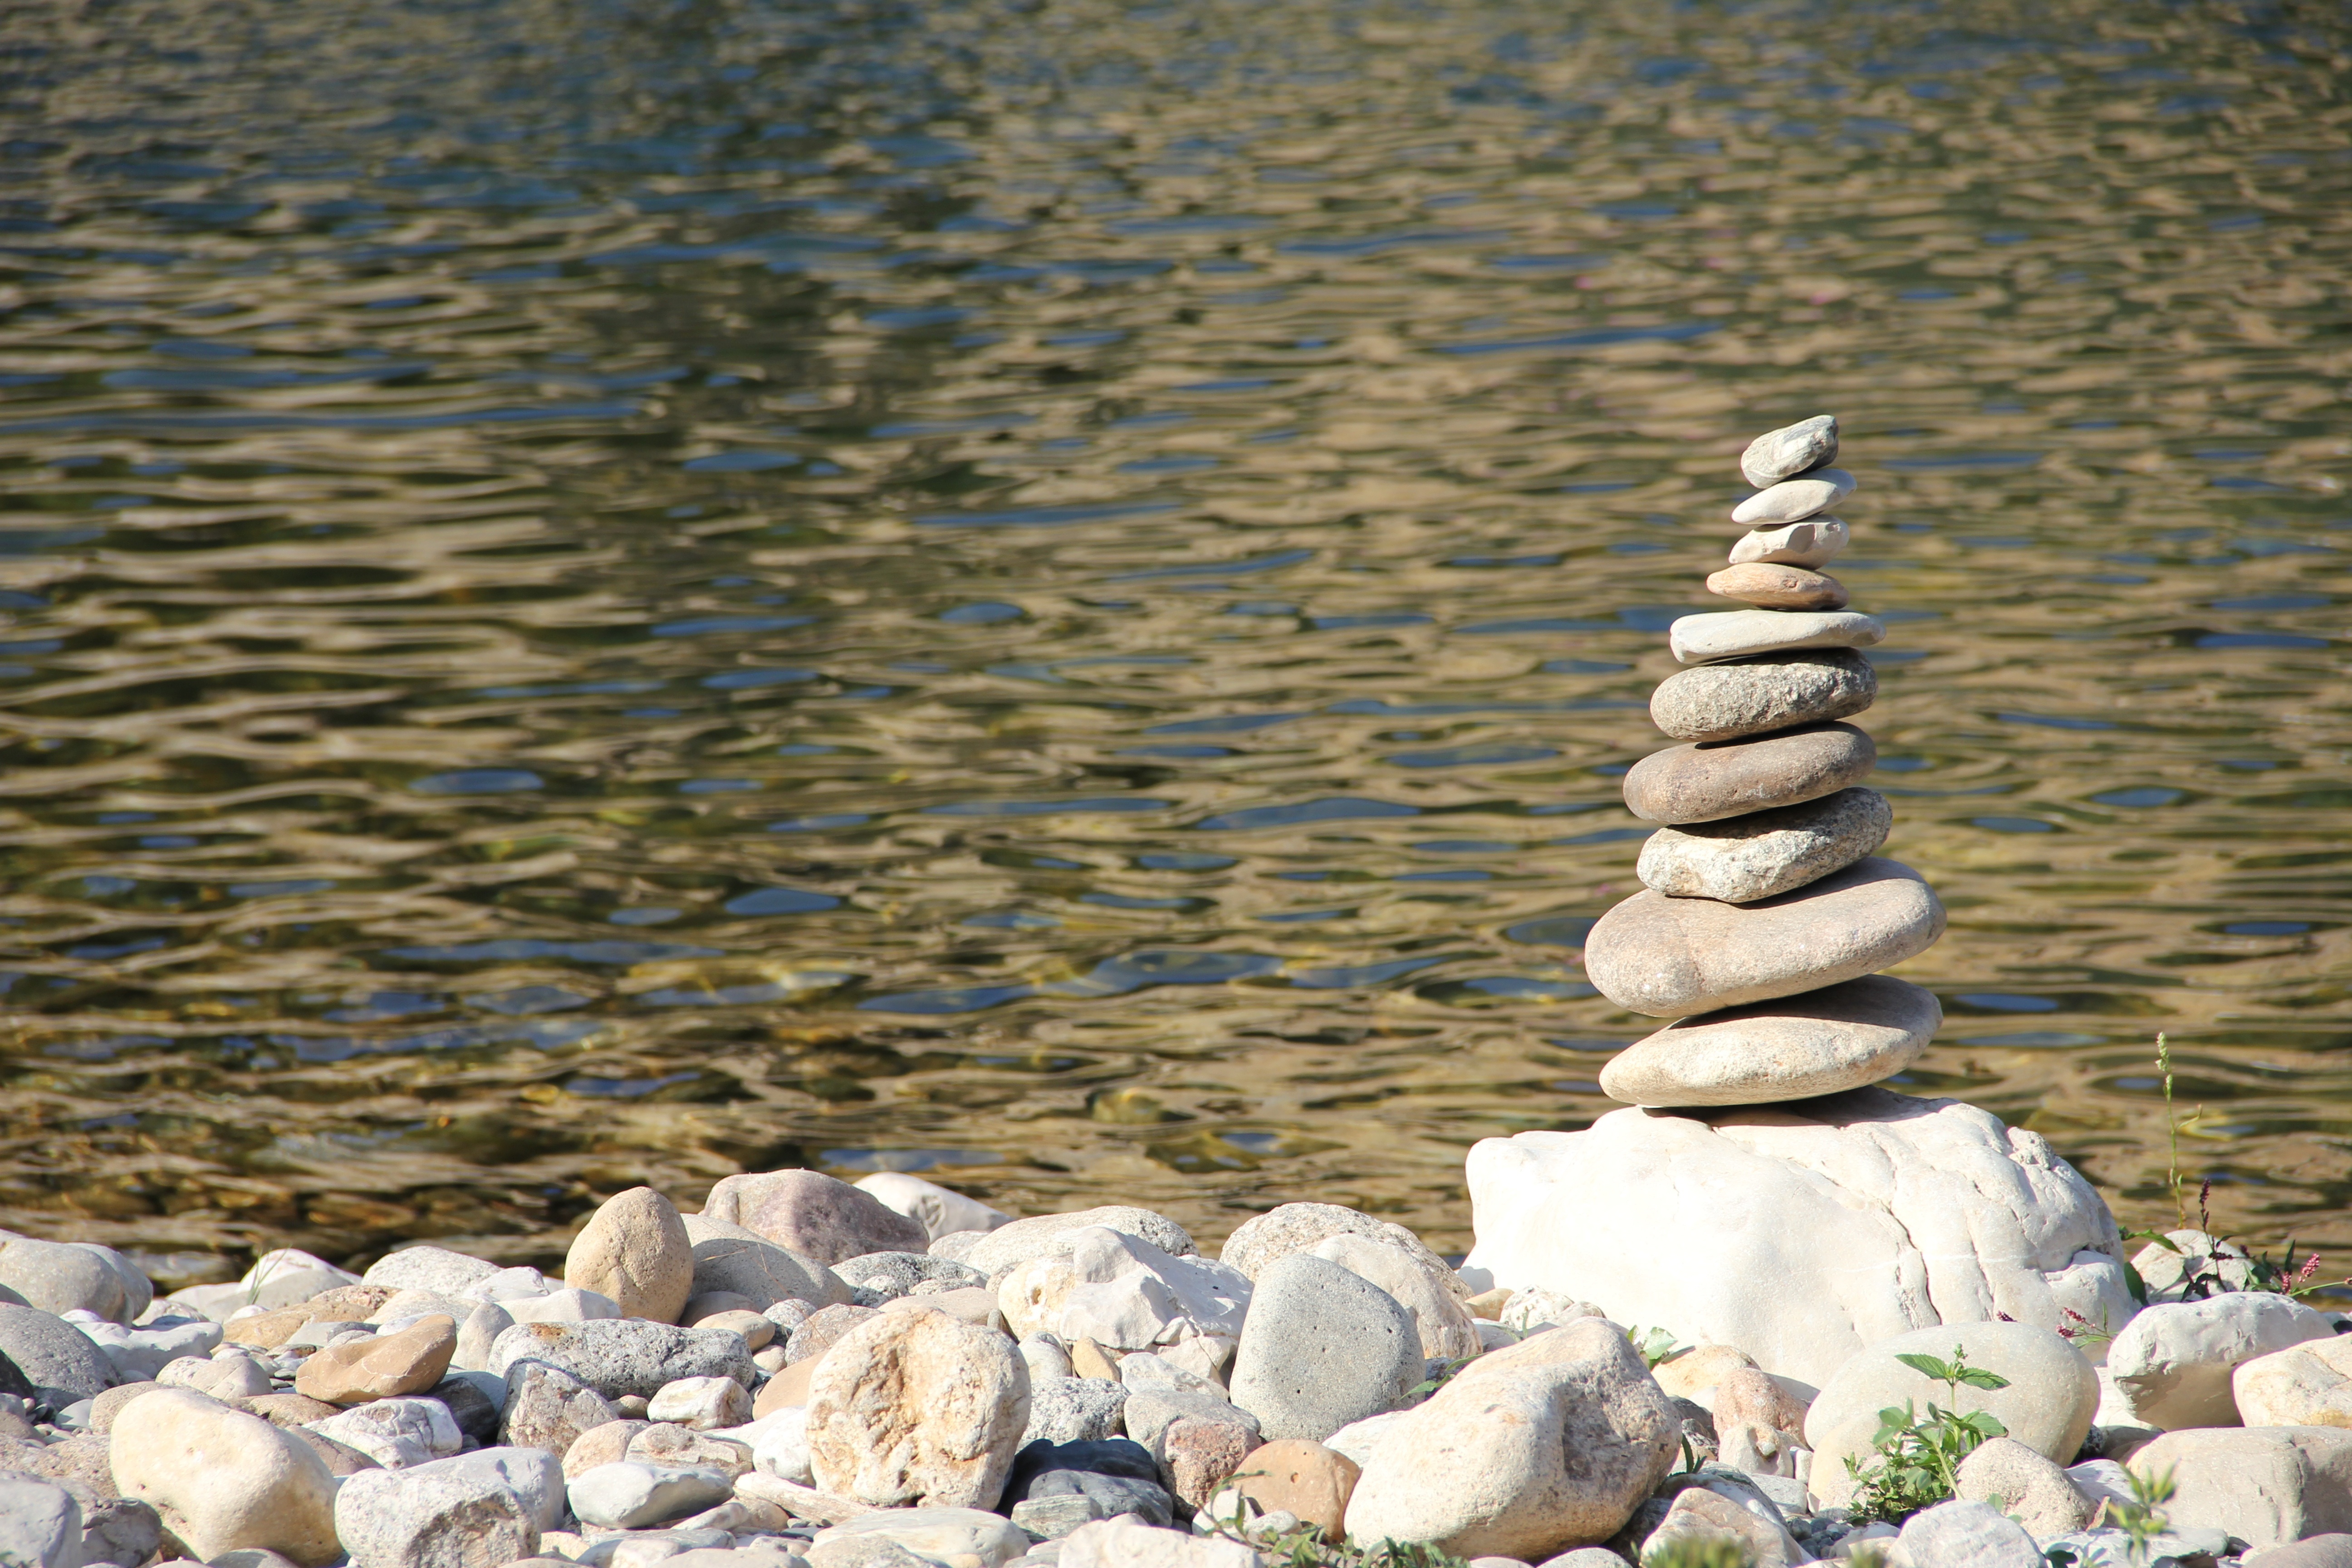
1056 595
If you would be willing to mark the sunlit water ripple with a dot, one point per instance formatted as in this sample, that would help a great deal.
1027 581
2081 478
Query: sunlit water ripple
1057 594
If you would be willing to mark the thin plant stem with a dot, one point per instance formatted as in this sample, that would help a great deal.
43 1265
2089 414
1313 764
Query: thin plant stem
2172 1130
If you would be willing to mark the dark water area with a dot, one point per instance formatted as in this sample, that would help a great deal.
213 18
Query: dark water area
1056 595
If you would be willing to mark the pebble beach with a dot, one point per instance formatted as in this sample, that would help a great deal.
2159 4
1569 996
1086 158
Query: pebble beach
1676 1333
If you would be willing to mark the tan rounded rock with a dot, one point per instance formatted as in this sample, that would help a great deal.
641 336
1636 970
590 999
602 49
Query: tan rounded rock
756 1329
1773 587
788 1388
1739 859
1528 1452
223 1480
1756 696
2047 1403
1701 1369
1670 956
381 1367
2309 1384
602 1445
1707 783
634 1250
1791 1048
1294 1476
916 1407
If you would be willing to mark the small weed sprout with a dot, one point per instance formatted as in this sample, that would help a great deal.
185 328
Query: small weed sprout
1918 1459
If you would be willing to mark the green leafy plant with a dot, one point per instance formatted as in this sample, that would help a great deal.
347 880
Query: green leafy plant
2141 1519
1698 1551
1656 1346
1916 1460
1446 1375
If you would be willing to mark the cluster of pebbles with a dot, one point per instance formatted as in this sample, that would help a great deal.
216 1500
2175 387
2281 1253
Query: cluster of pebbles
1767 910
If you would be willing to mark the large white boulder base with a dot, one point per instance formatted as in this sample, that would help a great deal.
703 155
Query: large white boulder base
1802 1232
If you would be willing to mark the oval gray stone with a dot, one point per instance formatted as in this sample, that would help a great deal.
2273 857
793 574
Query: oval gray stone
1668 956
1743 858
1809 543
1793 1048
1724 778
1793 500
1737 633
56 1357
1321 1347
1757 695
1788 451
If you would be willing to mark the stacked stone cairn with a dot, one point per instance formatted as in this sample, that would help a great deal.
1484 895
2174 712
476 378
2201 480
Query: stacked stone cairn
1767 910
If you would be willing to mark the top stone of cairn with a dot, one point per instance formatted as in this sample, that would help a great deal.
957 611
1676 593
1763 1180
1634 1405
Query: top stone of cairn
1787 452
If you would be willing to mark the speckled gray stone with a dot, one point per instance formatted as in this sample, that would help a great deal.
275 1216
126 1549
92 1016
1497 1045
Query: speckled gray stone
621 1356
1668 956
1737 634
1793 500
879 1277
1075 1410
1793 1048
1756 696
1788 451
1810 544
1740 860
1321 1347
1726 778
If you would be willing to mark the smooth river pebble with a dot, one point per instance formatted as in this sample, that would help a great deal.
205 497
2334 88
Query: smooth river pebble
1788 451
1793 1048
1668 956
1726 778
1808 543
1793 500
1737 633
1742 858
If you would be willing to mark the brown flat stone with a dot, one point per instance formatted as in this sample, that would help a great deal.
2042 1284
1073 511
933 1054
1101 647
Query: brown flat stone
1792 1047
1667 956
1773 587
1717 779
384 1367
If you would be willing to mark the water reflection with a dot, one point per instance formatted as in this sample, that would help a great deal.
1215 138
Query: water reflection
1056 596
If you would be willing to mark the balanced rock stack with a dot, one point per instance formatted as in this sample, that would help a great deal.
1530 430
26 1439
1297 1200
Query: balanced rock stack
1767 913
1759 1191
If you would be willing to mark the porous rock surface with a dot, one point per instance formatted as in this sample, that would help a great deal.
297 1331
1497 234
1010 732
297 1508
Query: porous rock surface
1802 1232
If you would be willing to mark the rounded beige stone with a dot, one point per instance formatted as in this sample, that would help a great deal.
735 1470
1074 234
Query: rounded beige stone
634 1250
1812 543
223 1480
1739 633
1778 587
1759 695
1794 1047
1740 860
1713 780
1667 956
1793 500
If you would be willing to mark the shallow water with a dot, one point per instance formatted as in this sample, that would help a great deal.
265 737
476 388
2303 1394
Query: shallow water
1055 596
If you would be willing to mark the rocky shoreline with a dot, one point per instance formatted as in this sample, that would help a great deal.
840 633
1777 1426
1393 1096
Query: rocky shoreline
1770 1313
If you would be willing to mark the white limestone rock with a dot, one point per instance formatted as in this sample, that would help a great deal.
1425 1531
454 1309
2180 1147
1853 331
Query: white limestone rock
2172 1363
942 1211
1799 1234
1126 1294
